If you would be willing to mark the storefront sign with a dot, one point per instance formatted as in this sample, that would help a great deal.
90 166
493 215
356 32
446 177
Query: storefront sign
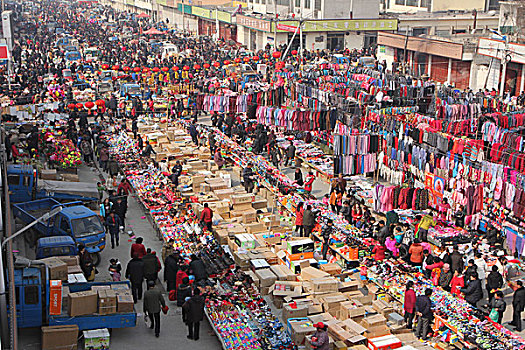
496 48
186 9
423 45
254 23
286 28
162 2
339 25
212 14
143 5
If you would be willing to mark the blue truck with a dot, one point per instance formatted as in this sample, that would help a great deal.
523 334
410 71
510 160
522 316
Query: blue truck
32 285
47 247
25 186
132 89
75 220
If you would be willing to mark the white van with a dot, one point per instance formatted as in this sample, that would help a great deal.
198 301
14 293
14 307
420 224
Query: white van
169 50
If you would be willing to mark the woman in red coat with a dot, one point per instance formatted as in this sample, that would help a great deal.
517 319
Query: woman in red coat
181 274
409 305
379 252
299 213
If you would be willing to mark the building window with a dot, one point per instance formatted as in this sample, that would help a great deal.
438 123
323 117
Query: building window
307 4
298 3
425 4
414 3
400 2
317 5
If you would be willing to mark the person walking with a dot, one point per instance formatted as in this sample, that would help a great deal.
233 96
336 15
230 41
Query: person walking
409 304
326 234
308 183
138 248
198 269
416 253
86 263
248 178
290 154
194 309
151 266
424 314
299 218
308 221
171 267
497 307
494 282
135 273
207 217
152 305
424 225
518 304
473 291
113 224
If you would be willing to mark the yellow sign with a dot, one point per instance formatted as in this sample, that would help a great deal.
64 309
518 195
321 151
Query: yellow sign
341 25
211 14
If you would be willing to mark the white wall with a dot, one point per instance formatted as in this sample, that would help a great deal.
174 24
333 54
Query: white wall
387 55
312 45
354 41
364 9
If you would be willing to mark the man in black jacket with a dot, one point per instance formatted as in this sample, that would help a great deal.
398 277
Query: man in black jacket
518 304
194 310
171 267
308 221
424 313
151 266
135 273
471 269
290 154
473 291
248 178
456 261
494 281
326 234
113 224
198 269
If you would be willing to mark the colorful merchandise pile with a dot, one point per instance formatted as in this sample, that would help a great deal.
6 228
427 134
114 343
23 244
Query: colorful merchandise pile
458 316
62 153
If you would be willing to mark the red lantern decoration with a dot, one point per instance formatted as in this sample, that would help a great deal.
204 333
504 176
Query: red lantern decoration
227 62
294 52
165 69
186 68
276 54
71 106
279 65
79 105
246 59
216 64
156 69
175 68
100 103
126 69
237 60
105 66
89 105
115 67
266 56
145 70
196 67
136 69
255 58
206 65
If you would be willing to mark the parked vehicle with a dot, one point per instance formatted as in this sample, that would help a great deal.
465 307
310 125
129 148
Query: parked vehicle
55 246
75 220
33 285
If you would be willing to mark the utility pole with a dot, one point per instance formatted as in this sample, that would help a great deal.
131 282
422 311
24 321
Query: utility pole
183 16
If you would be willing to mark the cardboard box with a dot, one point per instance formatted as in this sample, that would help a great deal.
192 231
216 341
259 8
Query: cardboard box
382 307
70 178
351 309
373 321
73 269
242 198
353 327
294 310
299 329
249 216
300 249
332 269
309 273
96 339
65 299
82 303
266 277
325 285
59 337
255 227
107 302
258 264
377 331
245 241
287 289
55 297
254 277
57 268
69 260
283 273
124 303
387 342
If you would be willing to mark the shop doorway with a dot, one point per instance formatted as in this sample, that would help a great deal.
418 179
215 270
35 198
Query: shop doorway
511 78
253 40
335 41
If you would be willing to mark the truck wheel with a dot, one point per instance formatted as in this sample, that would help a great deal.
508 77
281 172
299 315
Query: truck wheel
96 258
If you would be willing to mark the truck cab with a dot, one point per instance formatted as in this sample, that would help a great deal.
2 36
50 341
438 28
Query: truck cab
31 296
131 89
74 220
25 186
91 54
55 246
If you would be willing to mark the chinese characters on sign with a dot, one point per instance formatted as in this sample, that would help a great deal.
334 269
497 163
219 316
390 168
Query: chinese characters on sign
254 23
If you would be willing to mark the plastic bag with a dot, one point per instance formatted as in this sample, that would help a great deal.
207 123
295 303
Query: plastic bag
494 315
147 321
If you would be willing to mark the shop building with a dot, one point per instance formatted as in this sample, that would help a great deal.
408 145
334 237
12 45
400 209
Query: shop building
209 18
256 32
413 6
